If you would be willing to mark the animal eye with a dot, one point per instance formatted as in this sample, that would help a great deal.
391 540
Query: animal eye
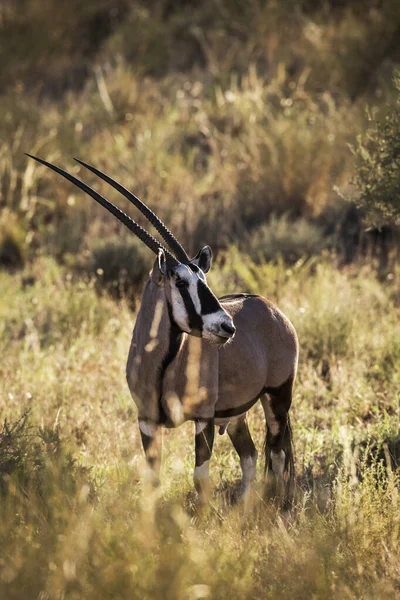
181 283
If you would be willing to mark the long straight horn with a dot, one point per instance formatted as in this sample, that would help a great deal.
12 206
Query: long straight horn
141 233
162 229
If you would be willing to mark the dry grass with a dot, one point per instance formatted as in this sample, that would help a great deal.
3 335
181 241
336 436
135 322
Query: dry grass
233 120
64 350
213 161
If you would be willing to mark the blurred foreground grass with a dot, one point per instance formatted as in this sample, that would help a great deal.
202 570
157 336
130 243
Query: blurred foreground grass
74 523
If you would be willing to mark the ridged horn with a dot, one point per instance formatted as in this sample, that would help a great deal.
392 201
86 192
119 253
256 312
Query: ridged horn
141 233
162 229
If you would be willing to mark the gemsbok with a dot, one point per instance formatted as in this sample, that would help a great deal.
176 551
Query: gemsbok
195 357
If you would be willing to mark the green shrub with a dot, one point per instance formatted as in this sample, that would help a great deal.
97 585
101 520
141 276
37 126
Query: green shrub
378 166
288 239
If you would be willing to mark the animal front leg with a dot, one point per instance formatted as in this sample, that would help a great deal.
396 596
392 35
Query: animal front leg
204 440
240 436
152 450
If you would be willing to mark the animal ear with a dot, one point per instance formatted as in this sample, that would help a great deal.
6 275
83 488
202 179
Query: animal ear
162 261
203 259
160 268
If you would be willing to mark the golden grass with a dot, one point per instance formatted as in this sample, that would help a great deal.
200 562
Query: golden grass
68 533
231 119
214 162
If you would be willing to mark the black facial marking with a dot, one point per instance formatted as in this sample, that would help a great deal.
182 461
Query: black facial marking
195 320
193 267
209 303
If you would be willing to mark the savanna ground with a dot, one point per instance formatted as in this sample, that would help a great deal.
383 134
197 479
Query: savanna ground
237 139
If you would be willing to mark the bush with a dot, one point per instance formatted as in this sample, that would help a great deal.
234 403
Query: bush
378 168
120 266
288 239
12 241
32 459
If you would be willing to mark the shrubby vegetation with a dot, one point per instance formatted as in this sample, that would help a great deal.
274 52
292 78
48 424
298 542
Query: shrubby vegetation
235 121
378 172
218 122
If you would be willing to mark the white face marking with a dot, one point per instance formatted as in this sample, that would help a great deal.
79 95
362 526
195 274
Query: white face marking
211 323
179 311
278 462
178 305
148 428
202 472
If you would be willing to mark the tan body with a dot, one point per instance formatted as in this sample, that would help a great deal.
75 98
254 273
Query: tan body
216 385
262 355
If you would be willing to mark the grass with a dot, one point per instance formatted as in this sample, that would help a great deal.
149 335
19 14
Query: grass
234 121
75 523
215 162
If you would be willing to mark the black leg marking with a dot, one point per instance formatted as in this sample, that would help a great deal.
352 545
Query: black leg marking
204 440
148 442
241 439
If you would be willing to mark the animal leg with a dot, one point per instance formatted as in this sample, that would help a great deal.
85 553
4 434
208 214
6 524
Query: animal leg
240 436
204 440
279 461
152 450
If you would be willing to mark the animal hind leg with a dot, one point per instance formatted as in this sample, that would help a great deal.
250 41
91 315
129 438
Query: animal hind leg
241 439
279 461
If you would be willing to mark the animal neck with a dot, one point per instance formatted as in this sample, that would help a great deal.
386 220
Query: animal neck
174 342
155 345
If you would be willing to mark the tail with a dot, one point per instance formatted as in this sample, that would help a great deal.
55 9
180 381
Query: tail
290 461
267 452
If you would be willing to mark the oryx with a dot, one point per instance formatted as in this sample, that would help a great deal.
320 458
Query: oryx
208 360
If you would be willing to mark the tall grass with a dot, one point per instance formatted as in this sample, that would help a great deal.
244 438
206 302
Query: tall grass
233 120
73 533
215 162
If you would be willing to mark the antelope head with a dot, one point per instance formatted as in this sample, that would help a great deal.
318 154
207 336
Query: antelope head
192 306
